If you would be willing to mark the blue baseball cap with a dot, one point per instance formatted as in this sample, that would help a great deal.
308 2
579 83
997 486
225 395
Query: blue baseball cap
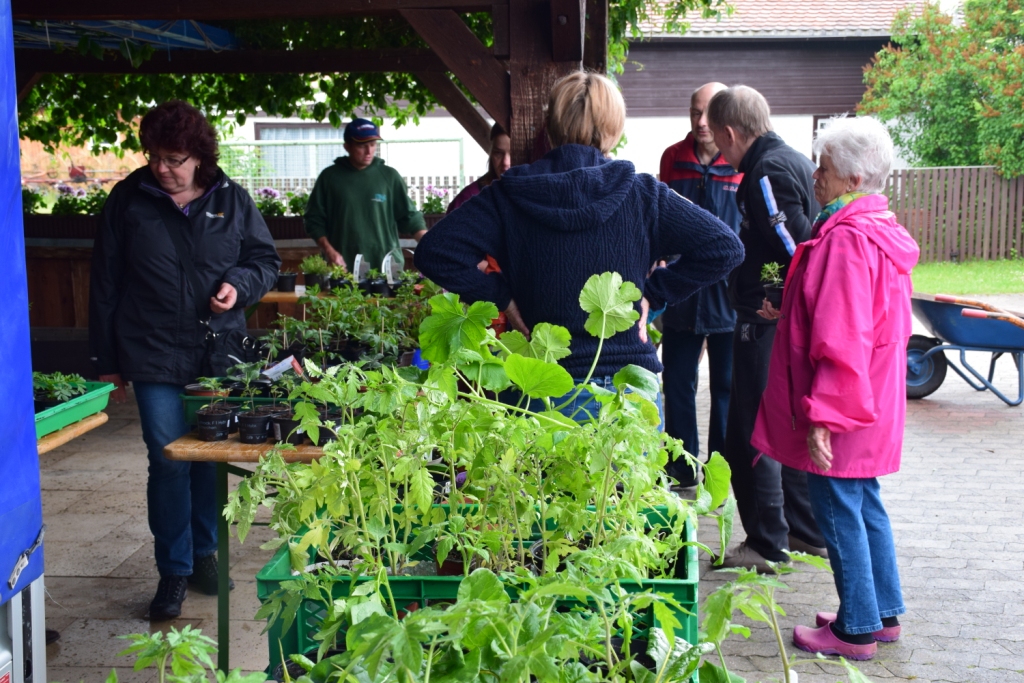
361 130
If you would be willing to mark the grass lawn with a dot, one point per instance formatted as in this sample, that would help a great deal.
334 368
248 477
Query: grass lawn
974 277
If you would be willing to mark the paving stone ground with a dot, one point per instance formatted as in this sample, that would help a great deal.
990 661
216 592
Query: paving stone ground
955 506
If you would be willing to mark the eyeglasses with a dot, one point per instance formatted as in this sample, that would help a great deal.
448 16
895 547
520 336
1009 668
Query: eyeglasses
171 162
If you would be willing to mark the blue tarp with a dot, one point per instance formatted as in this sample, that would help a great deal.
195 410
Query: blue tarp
21 512
171 35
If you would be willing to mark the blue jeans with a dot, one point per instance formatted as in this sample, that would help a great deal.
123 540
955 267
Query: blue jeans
181 496
860 549
680 353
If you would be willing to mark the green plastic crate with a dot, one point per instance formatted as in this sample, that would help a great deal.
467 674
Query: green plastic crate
424 590
60 416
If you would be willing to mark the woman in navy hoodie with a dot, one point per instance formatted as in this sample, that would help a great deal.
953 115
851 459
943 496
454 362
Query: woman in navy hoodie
575 213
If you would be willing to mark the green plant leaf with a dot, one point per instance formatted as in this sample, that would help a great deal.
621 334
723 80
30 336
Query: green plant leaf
717 609
725 522
550 342
482 584
641 380
853 672
609 301
450 327
813 560
536 378
717 475
666 620
112 676
563 589
712 673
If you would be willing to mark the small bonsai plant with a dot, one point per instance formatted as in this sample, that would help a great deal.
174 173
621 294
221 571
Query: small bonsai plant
771 274
771 277
314 265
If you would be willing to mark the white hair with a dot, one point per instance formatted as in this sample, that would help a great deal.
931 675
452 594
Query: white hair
857 146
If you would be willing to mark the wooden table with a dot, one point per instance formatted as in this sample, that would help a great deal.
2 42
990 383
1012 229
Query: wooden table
276 297
72 431
190 448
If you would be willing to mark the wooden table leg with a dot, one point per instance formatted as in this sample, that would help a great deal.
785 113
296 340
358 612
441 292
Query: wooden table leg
223 572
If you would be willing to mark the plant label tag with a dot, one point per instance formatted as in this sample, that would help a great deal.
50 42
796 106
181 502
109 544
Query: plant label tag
274 372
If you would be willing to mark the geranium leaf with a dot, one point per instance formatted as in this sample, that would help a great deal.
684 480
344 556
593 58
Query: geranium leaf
516 342
536 378
451 327
550 342
609 301
641 380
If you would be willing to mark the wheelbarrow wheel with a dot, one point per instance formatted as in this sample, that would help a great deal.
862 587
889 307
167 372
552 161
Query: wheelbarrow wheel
924 375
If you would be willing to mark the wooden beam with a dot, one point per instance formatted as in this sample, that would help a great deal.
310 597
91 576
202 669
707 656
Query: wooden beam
466 57
499 24
29 60
533 72
459 106
567 17
595 40
204 10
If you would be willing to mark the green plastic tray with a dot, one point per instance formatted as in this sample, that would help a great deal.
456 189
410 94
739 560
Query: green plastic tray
424 590
80 407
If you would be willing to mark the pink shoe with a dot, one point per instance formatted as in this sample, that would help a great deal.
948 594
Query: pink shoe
888 634
822 640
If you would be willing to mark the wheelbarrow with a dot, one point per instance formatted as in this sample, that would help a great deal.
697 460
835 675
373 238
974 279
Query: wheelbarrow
962 325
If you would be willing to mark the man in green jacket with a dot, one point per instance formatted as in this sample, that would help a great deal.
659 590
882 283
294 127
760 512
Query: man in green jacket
360 205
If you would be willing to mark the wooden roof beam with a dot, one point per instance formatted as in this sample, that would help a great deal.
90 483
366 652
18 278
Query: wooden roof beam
204 10
29 60
467 58
459 106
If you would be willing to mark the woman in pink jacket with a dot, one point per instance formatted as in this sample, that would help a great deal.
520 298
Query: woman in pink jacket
835 405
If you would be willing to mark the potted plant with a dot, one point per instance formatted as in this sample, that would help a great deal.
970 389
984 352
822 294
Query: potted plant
56 388
377 284
429 467
339 277
253 424
286 281
771 277
315 270
215 419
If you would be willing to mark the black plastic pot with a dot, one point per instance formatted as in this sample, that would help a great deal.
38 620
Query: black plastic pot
774 295
43 403
235 410
318 280
327 434
283 428
365 286
263 386
234 388
286 282
343 282
214 423
253 428
380 287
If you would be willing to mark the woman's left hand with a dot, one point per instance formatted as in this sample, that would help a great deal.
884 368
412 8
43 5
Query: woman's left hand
819 444
225 299
645 308
768 311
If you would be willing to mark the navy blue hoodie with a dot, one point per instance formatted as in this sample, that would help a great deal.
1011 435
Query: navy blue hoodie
572 214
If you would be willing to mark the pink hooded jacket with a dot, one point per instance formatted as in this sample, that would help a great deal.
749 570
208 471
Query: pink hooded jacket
839 359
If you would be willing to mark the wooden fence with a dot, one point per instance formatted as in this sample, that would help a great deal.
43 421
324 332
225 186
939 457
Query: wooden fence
959 213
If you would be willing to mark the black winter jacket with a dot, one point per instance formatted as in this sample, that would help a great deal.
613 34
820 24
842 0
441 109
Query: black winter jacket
789 174
143 321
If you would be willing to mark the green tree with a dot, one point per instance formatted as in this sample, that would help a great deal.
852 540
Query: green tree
101 111
951 91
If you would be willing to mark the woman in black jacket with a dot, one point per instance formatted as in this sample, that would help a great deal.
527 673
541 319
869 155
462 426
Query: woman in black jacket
144 321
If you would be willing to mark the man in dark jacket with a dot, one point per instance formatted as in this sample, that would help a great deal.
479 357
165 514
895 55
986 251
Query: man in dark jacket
695 169
776 198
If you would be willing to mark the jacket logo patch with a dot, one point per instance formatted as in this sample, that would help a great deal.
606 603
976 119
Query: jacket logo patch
380 198
214 215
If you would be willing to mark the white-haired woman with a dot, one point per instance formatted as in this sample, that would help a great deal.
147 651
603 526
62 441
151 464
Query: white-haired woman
835 404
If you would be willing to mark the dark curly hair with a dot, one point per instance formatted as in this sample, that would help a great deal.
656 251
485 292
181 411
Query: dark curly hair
177 126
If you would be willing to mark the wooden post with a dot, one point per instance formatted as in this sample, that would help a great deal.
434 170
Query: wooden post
595 41
456 103
533 71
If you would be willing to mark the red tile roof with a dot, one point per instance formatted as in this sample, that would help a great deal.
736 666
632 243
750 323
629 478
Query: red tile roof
795 18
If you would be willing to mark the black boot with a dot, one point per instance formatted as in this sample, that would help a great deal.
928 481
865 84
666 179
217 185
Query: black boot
171 592
204 575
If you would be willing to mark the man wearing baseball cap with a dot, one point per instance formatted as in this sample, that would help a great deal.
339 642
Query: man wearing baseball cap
360 205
